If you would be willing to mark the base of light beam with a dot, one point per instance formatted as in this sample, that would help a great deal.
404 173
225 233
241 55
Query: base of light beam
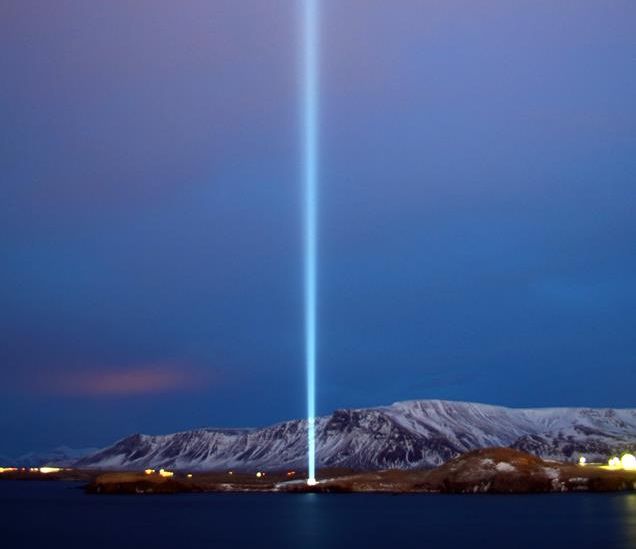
311 482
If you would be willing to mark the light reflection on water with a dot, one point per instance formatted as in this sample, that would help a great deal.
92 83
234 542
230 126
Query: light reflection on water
629 519
52 514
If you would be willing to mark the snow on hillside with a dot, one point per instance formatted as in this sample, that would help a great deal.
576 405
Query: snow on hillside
413 434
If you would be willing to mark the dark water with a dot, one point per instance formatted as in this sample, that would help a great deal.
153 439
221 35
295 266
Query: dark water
55 514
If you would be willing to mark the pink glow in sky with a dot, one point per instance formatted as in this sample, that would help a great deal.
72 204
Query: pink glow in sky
134 380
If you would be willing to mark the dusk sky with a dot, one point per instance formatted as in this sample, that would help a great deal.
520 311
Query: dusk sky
477 211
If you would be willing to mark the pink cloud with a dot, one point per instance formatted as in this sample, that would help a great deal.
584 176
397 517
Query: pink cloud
141 379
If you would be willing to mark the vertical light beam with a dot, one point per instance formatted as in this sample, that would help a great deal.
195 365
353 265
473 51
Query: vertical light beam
310 187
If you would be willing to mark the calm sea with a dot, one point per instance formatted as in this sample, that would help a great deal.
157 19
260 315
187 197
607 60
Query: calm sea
55 514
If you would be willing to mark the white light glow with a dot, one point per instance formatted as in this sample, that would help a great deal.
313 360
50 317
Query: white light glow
47 470
628 462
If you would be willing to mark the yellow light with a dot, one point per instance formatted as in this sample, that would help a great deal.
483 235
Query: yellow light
628 462
230 472
149 471
582 460
614 463
259 474
165 474
189 475
47 470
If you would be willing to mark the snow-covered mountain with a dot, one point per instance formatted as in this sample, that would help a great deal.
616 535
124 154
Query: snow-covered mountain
63 456
411 434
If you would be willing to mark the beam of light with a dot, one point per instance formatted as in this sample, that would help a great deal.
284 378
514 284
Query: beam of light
310 23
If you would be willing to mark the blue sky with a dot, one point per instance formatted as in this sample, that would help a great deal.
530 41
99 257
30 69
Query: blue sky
477 223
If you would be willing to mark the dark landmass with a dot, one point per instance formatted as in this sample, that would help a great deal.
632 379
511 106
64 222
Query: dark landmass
139 482
490 470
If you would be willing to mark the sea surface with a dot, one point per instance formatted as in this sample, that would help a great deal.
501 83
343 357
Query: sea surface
58 514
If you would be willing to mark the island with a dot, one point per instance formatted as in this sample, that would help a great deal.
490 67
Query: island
488 470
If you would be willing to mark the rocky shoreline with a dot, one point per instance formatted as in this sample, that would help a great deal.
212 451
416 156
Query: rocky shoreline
490 470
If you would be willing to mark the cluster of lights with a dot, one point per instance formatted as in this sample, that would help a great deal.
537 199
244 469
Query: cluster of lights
43 470
626 463
163 473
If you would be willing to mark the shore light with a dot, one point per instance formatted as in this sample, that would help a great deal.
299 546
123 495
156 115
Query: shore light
628 462
47 470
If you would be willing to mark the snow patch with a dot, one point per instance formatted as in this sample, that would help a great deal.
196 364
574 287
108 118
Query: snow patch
504 467
552 474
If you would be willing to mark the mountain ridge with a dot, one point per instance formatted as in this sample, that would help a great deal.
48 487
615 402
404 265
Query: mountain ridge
62 456
405 435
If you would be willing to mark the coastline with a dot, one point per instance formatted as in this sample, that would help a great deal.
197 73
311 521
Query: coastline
484 471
